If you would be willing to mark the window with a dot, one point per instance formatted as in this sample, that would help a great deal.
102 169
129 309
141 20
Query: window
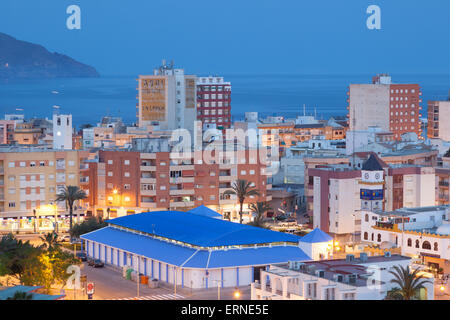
22 164
110 162
162 188
366 236
110 173
127 174
71 163
426 245
12 204
127 186
32 164
50 163
11 165
126 162
42 163
436 247
409 242
366 218
379 238
417 244
12 190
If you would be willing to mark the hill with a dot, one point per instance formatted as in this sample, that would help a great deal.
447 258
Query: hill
25 60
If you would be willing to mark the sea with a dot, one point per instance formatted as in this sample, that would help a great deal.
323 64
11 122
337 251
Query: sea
89 99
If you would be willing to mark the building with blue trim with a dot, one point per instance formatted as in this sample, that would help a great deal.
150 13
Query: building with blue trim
192 250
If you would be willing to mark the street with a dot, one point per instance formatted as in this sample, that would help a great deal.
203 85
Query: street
110 285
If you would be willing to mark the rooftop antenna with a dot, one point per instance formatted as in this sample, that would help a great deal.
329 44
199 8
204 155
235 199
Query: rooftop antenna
353 138
304 110
315 113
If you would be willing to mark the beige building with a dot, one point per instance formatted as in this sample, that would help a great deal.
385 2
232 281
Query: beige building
438 120
30 179
167 99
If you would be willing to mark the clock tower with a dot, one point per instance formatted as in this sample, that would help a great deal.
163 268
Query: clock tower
372 182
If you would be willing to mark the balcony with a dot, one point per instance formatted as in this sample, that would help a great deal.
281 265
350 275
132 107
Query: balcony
181 204
148 180
84 180
148 192
150 205
148 168
84 166
227 178
444 183
182 192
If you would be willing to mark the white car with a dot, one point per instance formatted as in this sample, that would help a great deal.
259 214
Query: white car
64 238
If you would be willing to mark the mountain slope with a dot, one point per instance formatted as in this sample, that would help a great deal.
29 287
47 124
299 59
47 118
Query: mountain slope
21 59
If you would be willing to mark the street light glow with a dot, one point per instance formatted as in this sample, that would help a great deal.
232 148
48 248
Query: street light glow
237 294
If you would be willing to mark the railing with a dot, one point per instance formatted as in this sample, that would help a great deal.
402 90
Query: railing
444 183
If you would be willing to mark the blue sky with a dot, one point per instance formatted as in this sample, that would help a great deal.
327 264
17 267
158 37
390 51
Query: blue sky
240 36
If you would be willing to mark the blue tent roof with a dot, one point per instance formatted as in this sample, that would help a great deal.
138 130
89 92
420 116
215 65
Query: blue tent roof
186 257
200 230
316 235
206 212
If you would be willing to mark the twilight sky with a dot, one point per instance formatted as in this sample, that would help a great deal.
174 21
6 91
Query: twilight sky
130 37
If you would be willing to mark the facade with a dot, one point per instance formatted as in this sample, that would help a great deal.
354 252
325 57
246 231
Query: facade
365 278
422 233
7 131
167 99
136 181
442 186
29 182
214 101
392 107
438 120
190 249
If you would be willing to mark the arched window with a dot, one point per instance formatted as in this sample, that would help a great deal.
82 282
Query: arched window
426 245
436 248
366 236
417 244
379 238
409 242
367 217
372 236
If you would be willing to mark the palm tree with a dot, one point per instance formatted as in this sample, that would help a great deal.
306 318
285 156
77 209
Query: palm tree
259 209
69 195
409 283
21 295
50 240
242 189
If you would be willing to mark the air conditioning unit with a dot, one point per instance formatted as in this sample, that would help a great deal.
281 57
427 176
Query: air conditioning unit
363 257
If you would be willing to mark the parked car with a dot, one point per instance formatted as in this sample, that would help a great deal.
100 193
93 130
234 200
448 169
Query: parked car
64 238
90 262
281 217
96 263
82 256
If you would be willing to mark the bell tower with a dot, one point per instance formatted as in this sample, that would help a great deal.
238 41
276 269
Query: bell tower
372 182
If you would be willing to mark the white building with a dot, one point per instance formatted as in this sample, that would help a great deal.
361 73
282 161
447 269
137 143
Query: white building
422 233
62 131
365 278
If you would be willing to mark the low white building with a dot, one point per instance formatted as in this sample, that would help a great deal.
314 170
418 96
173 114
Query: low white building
422 233
365 278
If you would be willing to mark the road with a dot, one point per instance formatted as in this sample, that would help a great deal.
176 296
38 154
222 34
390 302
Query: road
110 285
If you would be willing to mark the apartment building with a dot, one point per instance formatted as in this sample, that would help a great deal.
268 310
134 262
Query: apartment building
438 120
127 182
392 107
30 179
7 131
214 101
339 192
442 186
363 278
167 99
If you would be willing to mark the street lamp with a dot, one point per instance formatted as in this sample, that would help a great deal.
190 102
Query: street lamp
237 294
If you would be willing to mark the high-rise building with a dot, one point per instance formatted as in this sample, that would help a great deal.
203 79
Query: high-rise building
167 99
392 107
438 120
214 101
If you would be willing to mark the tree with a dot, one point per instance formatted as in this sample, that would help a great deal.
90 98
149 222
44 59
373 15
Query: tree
409 283
50 240
259 209
69 195
21 295
242 189
88 225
